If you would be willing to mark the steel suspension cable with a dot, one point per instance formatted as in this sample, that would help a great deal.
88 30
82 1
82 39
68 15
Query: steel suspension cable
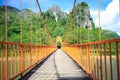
68 30
44 22
119 7
6 39
80 24
42 40
88 31
31 22
21 21
74 15
6 21
70 23
75 26
88 24
36 25
99 28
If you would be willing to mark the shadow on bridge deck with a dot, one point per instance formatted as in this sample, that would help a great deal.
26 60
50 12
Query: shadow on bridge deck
59 66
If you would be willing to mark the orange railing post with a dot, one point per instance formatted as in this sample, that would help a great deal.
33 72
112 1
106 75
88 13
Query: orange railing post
101 75
105 61
6 71
117 61
93 57
111 72
21 59
88 58
30 55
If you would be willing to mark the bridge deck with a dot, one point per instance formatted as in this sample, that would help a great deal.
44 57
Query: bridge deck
59 66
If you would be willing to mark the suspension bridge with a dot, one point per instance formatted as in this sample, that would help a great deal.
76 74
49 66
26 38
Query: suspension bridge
82 61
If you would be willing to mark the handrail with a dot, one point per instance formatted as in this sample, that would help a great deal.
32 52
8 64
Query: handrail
96 42
96 58
17 43
17 58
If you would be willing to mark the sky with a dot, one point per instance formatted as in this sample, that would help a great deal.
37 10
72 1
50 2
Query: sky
109 14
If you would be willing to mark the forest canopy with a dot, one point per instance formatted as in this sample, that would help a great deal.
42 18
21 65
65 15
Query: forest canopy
57 22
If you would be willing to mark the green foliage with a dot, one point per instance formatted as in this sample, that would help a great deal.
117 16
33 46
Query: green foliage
75 37
33 28
58 44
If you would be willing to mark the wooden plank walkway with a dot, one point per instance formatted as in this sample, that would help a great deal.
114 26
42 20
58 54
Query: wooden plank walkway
59 66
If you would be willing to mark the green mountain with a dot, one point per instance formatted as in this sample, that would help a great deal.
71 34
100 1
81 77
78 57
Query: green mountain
82 23
82 16
57 22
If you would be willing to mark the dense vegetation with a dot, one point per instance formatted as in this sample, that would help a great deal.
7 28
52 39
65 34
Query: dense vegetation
57 21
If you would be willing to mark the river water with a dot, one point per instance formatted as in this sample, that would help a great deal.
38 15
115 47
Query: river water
114 69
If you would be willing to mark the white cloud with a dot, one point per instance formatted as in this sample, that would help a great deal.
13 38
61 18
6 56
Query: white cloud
34 9
67 11
110 18
94 14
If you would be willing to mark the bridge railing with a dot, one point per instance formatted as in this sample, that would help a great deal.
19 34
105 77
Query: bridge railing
101 59
17 58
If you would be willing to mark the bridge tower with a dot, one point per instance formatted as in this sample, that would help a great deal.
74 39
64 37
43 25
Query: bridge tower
58 41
